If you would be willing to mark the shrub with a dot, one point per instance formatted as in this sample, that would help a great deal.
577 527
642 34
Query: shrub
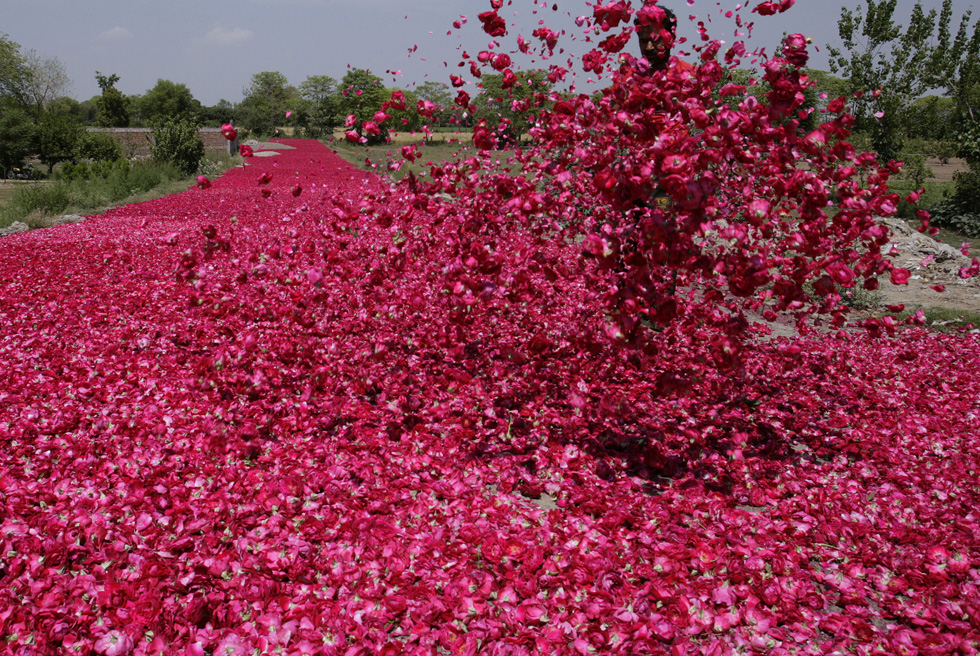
178 143
46 198
915 169
961 212
99 147
74 171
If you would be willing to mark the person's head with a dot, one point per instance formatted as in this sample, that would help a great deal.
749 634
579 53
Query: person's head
656 28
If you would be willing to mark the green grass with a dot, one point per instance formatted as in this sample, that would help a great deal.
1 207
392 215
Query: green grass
431 154
34 202
945 320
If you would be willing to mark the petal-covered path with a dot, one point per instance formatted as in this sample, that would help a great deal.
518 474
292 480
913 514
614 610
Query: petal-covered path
223 431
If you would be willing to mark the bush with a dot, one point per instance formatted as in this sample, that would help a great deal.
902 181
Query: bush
46 198
178 143
71 171
961 212
99 147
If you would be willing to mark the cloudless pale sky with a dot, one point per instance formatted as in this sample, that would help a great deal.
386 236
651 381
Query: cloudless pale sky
215 46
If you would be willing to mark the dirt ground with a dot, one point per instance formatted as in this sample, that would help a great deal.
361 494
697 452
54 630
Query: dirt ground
944 172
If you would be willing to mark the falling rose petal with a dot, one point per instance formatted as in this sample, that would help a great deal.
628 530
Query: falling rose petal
289 113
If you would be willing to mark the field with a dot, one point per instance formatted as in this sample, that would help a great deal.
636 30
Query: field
256 418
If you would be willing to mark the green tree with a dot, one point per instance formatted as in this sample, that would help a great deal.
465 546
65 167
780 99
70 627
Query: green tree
362 94
516 106
168 100
177 142
98 147
218 114
112 108
265 103
68 107
47 79
58 138
14 74
441 95
892 65
17 137
321 92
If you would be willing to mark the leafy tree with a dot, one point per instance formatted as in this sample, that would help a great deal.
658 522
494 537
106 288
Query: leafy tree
47 79
177 142
513 106
13 74
17 137
441 95
112 107
58 138
68 107
362 94
90 110
321 92
218 114
98 146
265 103
408 119
932 117
168 100
891 65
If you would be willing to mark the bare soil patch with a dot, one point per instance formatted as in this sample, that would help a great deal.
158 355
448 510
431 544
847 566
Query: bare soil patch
945 172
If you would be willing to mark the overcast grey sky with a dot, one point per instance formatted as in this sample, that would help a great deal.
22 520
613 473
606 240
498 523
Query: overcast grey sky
214 46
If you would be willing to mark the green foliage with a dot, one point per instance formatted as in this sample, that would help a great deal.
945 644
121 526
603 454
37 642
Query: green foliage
219 114
323 115
177 142
933 118
961 212
168 100
514 107
85 188
902 62
58 138
915 169
43 197
75 171
98 146
14 74
265 103
112 108
17 137
362 94
449 114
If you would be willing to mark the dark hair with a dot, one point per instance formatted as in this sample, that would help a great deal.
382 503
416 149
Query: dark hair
671 19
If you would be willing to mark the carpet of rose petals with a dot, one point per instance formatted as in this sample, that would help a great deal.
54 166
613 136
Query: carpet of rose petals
507 409
239 423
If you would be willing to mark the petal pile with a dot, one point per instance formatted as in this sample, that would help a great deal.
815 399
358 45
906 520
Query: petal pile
234 424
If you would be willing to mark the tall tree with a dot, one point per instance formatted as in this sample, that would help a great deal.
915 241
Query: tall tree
891 65
59 136
361 94
510 105
17 137
47 79
265 101
112 107
321 92
168 100
13 73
